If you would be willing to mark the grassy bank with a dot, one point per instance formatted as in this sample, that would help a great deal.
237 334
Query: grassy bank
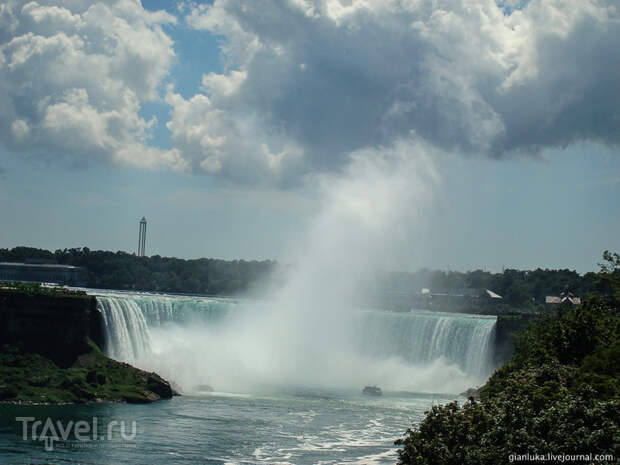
93 377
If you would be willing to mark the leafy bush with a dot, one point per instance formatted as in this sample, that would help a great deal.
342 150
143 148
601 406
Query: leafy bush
559 394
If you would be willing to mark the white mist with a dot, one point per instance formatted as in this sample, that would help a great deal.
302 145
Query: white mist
308 334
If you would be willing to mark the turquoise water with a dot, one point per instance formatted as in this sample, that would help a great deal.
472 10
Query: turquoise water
293 427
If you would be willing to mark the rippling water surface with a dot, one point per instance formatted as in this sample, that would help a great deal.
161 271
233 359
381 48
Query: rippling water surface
296 427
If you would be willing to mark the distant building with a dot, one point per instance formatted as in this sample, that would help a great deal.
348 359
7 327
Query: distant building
42 273
455 299
456 292
493 295
564 297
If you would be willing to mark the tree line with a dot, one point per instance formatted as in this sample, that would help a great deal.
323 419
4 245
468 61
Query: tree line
517 287
124 271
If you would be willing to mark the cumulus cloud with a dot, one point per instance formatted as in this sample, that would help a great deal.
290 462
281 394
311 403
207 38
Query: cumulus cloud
309 82
73 76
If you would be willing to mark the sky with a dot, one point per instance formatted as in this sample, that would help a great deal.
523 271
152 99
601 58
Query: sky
222 122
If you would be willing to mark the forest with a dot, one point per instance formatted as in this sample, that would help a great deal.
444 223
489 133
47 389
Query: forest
124 271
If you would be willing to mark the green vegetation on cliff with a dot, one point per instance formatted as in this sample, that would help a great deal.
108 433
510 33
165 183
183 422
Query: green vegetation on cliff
33 378
35 289
560 394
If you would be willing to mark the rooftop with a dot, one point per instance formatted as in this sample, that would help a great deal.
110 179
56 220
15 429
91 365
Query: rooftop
44 266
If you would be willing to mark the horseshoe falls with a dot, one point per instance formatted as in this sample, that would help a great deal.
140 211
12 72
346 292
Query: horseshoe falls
273 382
236 346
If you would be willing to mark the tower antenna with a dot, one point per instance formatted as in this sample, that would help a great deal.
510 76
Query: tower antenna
142 238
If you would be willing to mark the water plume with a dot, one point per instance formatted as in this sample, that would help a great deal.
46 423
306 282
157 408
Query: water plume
311 333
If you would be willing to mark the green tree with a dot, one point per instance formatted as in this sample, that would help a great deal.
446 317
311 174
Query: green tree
559 394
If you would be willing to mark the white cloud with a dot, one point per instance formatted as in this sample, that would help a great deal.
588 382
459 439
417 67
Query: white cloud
243 147
73 76
308 82
316 80
225 85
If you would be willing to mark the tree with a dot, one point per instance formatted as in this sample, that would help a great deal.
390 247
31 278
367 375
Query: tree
559 394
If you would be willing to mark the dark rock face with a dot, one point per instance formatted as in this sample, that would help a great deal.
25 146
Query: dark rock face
159 386
50 352
56 326
507 326
96 331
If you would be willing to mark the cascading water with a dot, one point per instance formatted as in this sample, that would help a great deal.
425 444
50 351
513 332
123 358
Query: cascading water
126 331
128 320
421 337
196 341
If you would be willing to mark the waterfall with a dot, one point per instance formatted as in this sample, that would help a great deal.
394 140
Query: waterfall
126 330
128 319
195 340
422 337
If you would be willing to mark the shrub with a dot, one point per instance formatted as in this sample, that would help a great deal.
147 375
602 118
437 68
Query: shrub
559 394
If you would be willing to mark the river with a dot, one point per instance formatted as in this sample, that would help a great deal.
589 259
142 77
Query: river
260 384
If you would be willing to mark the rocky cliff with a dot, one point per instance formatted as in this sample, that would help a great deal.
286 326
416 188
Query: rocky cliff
55 323
507 327
50 342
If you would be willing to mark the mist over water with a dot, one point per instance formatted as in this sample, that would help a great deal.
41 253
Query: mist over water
312 333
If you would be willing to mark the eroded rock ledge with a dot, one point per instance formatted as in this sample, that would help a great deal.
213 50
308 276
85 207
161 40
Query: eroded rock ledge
48 355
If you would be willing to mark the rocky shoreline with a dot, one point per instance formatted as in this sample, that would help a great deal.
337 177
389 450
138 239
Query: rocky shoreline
48 356
29 379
